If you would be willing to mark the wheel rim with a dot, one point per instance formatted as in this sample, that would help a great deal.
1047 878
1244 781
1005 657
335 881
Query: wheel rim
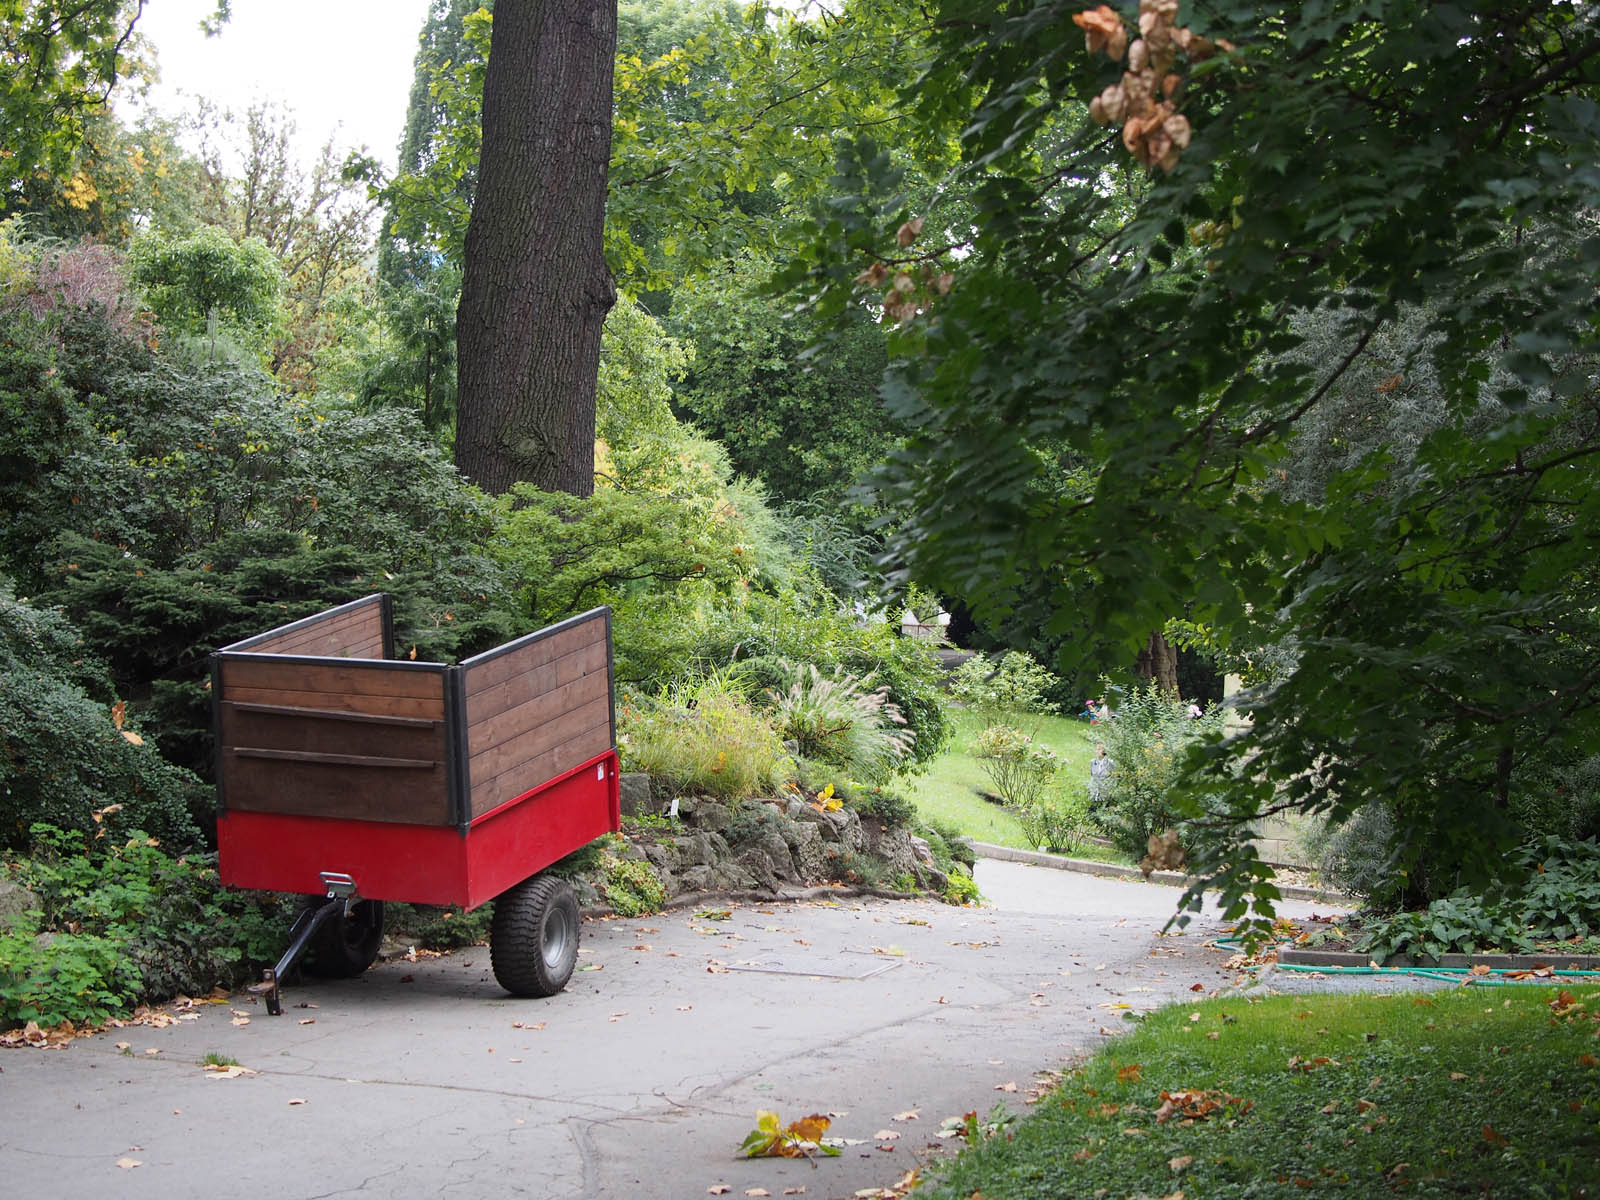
556 936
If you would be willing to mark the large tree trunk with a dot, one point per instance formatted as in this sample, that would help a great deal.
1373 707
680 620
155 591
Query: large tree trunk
1159 661
536 289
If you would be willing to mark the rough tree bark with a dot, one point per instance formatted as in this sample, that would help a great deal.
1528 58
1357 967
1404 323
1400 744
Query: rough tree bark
1158 660
536 289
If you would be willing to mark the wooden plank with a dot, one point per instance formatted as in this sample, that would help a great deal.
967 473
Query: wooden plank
415 797
344 678
320 735
536 681
538 711
496 790
337 634
332 714
507 753
430 709
333 760
535 654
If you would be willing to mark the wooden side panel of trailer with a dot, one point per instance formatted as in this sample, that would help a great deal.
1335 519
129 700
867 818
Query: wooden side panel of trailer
361 629
360 740
536 708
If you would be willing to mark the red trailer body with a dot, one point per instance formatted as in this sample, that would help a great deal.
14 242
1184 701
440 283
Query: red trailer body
418 782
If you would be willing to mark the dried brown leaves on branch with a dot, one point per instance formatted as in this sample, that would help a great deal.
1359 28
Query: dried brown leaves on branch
1144 102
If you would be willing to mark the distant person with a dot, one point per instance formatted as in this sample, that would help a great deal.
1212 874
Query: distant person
1099 773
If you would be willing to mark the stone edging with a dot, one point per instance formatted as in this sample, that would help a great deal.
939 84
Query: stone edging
1086 866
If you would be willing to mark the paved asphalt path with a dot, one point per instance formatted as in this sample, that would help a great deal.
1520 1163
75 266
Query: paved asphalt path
425 1079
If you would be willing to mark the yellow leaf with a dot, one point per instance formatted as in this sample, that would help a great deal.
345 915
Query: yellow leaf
810 1128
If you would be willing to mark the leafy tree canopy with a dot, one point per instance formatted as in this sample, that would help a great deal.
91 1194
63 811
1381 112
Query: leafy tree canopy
59 60
1375 168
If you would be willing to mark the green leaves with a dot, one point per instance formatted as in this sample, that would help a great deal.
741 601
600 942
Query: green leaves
1400 190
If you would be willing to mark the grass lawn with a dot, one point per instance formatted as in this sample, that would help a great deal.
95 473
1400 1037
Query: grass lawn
949 790
1477 1092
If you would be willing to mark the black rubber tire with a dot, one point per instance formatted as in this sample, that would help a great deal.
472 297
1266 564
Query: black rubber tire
345 947
533 940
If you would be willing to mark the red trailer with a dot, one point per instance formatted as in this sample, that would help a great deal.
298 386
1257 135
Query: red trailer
346 774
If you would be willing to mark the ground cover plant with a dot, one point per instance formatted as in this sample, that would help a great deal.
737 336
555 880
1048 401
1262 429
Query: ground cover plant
1476 1091
1554 907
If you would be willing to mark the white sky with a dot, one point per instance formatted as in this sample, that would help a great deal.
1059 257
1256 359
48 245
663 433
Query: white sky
342 66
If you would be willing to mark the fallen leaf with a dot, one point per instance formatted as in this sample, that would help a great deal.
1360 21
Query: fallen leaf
296 1101
1481 969
911 1114
886 1135
127 1164
520 1025
308 1020
1365 1106
1494 1137
757 1192
1005 1087
1457 1076
241 1020
1130 1074
720 1189
1329 1108
794 1191
1588 1060
1181 1162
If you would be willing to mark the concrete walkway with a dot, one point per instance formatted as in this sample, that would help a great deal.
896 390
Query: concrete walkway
641 1080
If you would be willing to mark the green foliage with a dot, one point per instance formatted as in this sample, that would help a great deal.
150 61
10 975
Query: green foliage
962 889
437 928
60 61
1021 769
881 804
1344 165
63 760
1558 899
196 280
807 427
836 719
654 559
632 887
703 738
808 625
77 977
128 923
957 846
1059 820
1010 690
1147 744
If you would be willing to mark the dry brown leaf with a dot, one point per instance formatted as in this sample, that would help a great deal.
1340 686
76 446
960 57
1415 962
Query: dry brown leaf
127 1164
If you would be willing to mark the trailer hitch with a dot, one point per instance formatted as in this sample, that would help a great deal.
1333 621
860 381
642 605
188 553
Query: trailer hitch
341 891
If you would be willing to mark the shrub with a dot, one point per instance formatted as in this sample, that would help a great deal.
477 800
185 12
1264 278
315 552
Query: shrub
129 923
63 759
1020 768
759 633
1000 693
632 887
1059 820
705 738
1147 742
835 718
962 889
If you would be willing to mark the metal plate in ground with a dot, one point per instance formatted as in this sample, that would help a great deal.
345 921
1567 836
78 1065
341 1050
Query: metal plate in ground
830 966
